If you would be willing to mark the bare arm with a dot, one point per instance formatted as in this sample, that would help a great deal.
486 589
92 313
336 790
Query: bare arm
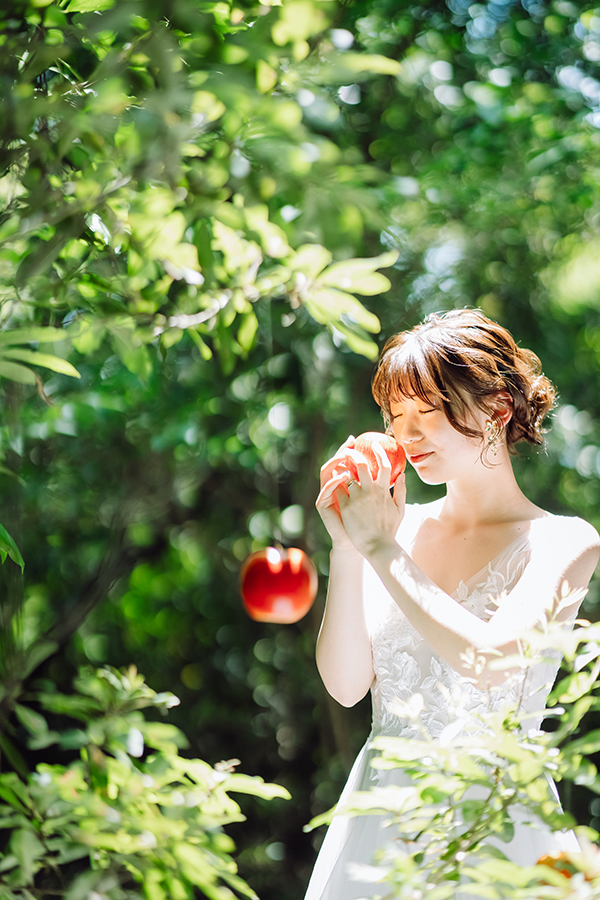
344 646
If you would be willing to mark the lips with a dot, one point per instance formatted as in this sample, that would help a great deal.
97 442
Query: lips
419 457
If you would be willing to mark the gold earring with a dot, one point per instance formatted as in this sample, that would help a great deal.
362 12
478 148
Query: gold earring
493 432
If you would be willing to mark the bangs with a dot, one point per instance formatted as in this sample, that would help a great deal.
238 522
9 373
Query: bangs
411 371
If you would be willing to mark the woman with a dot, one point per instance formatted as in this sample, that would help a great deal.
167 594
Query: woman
413 589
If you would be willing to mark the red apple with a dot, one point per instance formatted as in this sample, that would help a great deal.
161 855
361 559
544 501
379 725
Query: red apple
394 451
278 585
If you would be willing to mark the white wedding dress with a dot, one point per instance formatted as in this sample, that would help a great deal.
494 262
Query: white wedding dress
404 664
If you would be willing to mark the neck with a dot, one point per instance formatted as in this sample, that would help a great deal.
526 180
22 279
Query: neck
488 496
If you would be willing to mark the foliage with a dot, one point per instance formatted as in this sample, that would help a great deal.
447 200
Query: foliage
122 815
149 182
463 792
125 197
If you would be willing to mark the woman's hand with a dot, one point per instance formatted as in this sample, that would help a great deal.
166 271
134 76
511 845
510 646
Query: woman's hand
335 473
356 509
370 515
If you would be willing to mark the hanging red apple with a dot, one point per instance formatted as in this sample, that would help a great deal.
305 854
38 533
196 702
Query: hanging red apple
393 450
278 585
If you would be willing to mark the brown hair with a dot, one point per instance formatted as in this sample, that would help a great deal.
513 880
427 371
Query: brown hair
460 358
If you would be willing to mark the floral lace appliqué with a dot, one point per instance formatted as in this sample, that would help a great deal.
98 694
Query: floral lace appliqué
404 664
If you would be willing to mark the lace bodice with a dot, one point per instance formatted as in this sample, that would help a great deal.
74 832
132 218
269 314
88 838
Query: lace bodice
406 666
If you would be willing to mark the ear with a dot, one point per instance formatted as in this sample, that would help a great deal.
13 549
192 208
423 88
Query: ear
502 404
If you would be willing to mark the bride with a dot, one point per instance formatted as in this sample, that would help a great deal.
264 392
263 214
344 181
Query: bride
413 588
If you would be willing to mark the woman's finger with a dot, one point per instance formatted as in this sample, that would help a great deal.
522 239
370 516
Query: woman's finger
385 467
399 491
337 461
327 491
361 466
340 452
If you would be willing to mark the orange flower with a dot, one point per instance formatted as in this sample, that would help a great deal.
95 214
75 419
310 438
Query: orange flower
563 863
558 861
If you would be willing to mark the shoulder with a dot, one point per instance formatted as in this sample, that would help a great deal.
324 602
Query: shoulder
569 534
424 510
414 516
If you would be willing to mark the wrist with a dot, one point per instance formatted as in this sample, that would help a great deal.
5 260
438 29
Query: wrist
339 547
381 550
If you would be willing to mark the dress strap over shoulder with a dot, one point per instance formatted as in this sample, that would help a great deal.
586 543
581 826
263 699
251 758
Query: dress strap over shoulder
414 515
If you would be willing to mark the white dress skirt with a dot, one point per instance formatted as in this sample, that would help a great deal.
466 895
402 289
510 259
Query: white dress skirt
404 664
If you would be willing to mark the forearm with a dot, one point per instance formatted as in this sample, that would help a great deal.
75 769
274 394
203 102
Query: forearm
344 646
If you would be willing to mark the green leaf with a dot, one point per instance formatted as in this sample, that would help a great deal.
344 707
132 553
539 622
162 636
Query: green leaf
5 471
76 706
161 735
371 62
153 888
358 341
82 886
8 546
89 335
248 784
586 745
375 283
327 306
48 361
310 259
89 5
247 331
31 720
132 353
266 77
7 863
15 372
27 848
36 654
359 275
471 809
343 67
572 688
196 866
16 760
29 335
483 891
205 351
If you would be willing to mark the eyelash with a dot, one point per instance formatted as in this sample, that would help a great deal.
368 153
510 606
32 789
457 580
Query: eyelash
422 412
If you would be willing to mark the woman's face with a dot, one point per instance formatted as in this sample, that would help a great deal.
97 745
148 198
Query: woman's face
437 451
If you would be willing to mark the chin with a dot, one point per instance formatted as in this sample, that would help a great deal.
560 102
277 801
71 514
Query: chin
430 478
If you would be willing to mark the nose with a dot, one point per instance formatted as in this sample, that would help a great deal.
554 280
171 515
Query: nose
407 429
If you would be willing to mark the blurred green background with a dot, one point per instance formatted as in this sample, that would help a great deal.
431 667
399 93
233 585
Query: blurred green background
178 180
